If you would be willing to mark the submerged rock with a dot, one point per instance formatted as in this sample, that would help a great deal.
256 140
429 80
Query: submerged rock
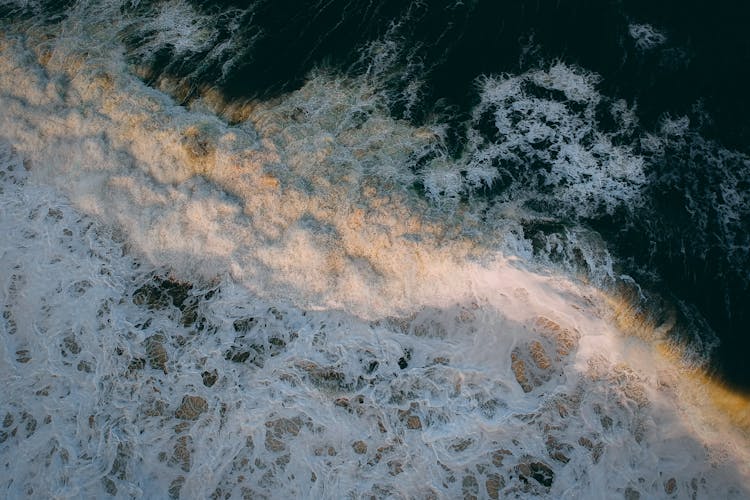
519 371
209 378
670 486
182 454
412 421
279 429
156 353
359 447
469 487
175 487
493 484
191 408
322 376
538 471
536 361
565 339
631 494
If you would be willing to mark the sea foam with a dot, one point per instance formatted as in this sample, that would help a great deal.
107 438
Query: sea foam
267 309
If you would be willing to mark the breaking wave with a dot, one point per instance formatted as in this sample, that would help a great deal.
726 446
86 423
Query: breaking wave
303 296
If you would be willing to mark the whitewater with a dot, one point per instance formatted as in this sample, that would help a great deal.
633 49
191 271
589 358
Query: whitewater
251 299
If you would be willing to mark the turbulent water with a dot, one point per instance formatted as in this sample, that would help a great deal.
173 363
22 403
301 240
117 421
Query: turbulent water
264 251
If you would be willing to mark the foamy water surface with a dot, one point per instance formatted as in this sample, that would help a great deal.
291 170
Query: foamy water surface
250 300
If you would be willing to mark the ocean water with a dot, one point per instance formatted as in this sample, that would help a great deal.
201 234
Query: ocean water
396 250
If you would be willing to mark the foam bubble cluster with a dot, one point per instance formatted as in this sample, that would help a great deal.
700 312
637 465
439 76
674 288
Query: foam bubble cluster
645 36
536 136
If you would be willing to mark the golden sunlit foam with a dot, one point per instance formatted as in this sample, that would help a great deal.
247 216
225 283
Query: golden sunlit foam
655 327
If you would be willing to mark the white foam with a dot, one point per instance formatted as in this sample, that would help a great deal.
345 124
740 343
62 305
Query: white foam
646 37
331 304
581 167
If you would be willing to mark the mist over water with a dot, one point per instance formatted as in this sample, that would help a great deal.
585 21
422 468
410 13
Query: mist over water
329 277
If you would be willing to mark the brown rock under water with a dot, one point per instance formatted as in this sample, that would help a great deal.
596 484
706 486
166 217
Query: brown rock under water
360 447
191 408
